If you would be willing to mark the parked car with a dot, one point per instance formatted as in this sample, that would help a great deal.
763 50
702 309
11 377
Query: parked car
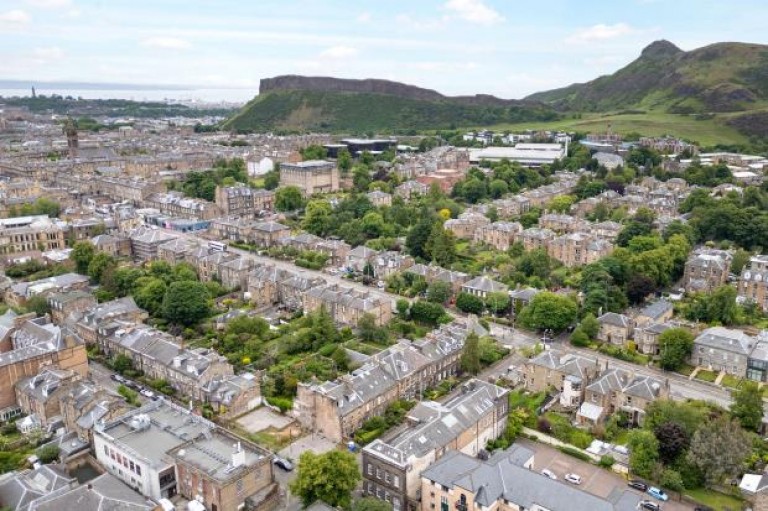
118 378
650 505
637 485
703 508
549 473
573 478
283 463
147 393
658 493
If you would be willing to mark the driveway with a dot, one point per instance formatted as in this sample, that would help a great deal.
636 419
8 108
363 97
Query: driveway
595 480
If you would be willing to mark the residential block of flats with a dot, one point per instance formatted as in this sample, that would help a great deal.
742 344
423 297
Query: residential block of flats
336 409
465 422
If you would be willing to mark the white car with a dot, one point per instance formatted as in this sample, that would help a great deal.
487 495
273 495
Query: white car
549 473
573 478
147 393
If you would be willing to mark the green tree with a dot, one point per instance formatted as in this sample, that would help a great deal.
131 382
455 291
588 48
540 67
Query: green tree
288 198
470 355
344 161
469 303
122 363
427 312
579 338
643 452
186 302
313 152
403 306
498 302
100 263
498 188
549 311
439 291
561 203
672 480
317 217
369 331
662 411
149 294
48 453
675 345
328 477
747 405
441 245
719 448
416 241
82 253
590 325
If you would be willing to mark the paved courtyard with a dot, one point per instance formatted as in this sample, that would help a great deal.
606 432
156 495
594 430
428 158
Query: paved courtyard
262 419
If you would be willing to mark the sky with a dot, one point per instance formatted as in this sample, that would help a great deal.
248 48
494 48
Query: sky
509 48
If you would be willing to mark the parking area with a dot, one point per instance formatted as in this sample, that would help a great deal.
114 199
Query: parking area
595 480
262 419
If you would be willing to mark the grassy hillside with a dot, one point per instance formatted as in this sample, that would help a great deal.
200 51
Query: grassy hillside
707 132
333 111
723 77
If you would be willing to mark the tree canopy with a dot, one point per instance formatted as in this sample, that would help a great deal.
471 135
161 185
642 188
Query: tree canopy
329 477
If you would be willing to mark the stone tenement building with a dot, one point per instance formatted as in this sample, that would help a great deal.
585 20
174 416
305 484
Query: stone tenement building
753 282
243 201
311 177
30 233
466 422
35 344
706 269
336 409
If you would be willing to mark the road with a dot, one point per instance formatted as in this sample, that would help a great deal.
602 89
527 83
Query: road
103 377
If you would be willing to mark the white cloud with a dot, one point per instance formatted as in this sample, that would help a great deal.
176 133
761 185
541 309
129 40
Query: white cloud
50 4
166 43
47 54
14 17
339 52
363 17
601 32
474 11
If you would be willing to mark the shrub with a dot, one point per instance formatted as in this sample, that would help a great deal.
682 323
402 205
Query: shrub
283 403
48 453
544 426
607 461
570 451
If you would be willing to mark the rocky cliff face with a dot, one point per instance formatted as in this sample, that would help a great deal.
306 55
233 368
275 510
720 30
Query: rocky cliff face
373 86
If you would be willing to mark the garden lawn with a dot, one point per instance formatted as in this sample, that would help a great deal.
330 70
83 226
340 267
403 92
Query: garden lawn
731 381
715 500
706 375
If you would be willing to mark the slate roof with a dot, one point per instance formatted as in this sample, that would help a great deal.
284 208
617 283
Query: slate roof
501 479
656 309
613 319
725 339
485 284
18 490
439 424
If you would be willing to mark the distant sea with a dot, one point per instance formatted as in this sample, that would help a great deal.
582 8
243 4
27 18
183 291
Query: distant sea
145 94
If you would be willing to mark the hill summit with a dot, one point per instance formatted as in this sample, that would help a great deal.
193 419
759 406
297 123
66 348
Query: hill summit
318 103
722 77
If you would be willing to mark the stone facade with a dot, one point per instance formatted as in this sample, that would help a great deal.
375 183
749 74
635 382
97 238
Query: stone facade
311 177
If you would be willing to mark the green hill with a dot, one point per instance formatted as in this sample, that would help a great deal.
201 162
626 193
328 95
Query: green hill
295 103
722 77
